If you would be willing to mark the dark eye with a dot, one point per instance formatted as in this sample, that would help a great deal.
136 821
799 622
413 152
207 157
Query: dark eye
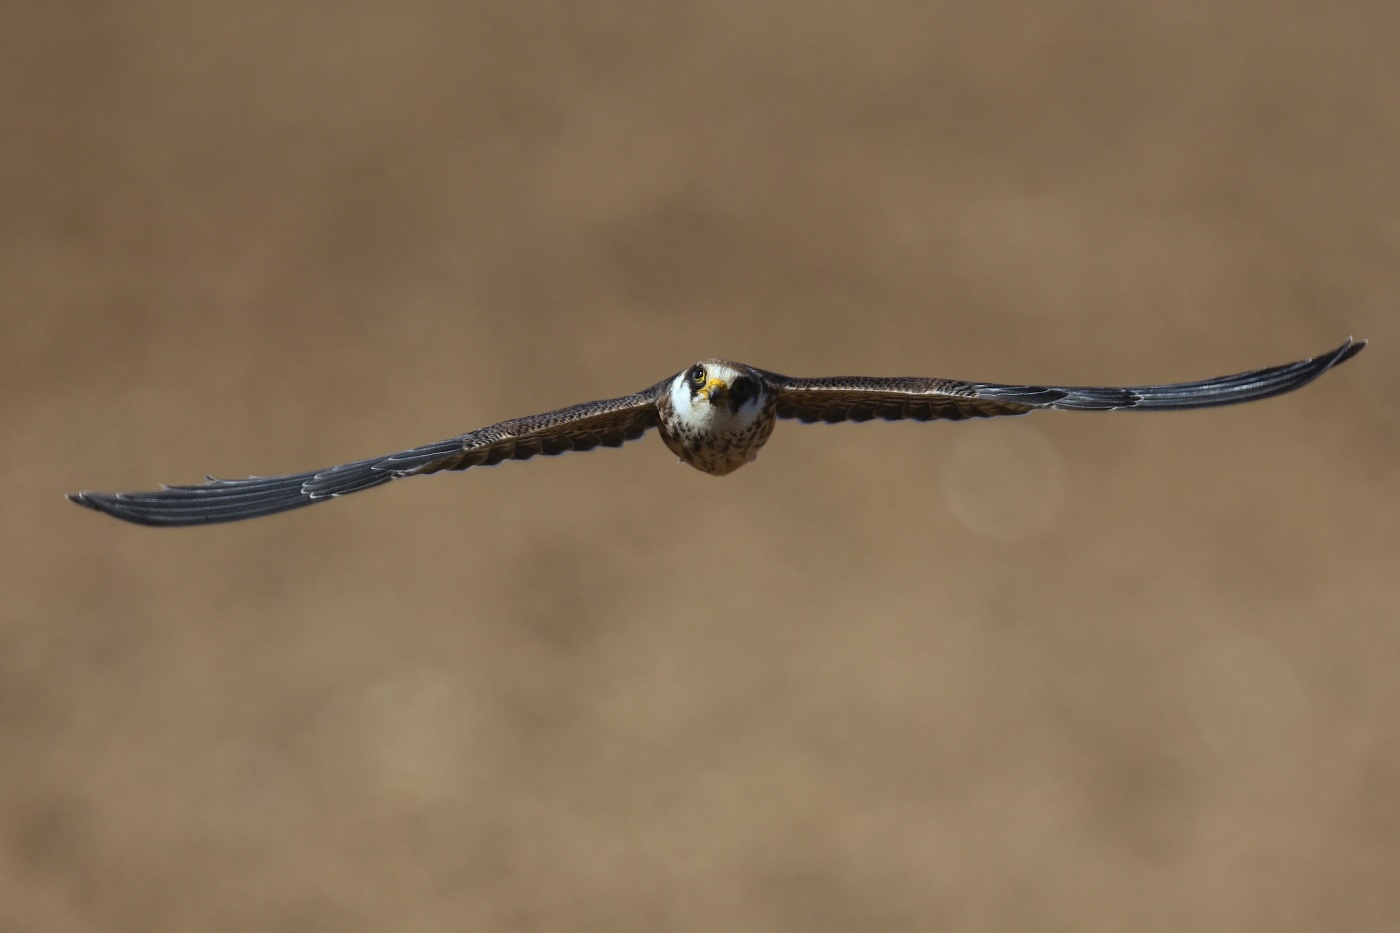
697 375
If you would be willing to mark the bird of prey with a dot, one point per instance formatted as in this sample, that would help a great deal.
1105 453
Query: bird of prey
714 415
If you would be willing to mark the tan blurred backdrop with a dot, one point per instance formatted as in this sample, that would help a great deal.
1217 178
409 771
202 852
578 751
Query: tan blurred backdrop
1069 672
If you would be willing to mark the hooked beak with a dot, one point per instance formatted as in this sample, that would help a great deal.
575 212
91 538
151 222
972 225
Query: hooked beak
716 391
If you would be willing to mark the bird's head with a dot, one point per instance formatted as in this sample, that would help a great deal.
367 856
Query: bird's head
717 392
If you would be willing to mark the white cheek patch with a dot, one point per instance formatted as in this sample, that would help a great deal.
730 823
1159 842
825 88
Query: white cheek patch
691 411
747 411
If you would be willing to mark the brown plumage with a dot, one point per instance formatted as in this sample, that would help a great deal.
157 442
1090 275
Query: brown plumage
716 415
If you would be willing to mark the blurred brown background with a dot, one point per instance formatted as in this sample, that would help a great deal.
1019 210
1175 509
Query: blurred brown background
1069 672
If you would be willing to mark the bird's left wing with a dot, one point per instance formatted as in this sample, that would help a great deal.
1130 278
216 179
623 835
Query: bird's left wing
860 398
607 423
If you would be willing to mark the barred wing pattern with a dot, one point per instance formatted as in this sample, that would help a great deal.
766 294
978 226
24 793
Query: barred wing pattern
607 423
861 398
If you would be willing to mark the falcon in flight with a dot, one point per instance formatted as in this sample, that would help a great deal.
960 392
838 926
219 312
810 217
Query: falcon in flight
715 416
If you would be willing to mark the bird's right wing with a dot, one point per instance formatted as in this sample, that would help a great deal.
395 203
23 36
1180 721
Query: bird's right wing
607 423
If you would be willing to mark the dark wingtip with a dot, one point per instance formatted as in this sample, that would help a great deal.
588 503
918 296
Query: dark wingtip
110 504
85 499
1350 348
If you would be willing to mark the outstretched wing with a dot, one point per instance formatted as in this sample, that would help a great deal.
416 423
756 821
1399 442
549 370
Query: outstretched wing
607 423
860 398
